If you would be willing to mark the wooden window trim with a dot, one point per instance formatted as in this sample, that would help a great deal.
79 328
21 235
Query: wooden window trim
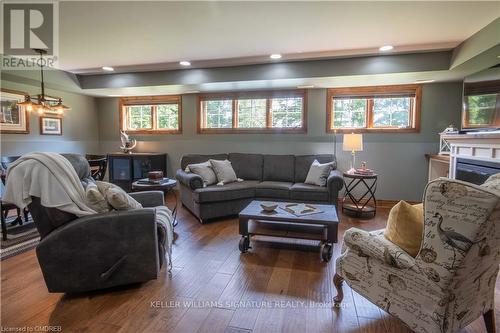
268 95
153 101
465 113
415 108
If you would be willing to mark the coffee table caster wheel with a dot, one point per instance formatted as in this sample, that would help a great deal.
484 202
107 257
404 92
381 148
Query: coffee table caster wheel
244 244
326 252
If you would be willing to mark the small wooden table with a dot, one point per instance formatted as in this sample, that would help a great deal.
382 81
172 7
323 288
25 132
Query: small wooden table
165 187
321 226
365 203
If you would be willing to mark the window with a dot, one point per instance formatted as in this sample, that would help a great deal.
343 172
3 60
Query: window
253 112
481 104
374 109
286 112
151 114
219 113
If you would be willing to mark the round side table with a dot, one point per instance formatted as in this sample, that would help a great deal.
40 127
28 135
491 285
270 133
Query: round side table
165 187
366 203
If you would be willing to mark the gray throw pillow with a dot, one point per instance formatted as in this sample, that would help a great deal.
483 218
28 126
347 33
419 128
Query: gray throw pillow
116 197
318 173
95 199
205 171
224 171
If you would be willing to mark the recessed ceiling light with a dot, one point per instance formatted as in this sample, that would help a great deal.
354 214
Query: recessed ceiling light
275 56
307 86
185 63
424 81
386 48
107 68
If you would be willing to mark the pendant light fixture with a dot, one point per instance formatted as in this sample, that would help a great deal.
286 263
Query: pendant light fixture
43 105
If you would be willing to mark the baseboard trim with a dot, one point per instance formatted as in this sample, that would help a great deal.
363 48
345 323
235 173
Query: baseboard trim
385 203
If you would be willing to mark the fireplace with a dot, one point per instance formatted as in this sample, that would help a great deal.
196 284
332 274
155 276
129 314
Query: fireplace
475 171
474 156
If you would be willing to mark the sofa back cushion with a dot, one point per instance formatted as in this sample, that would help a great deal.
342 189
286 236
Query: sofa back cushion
303 163
199 158
279 168
247 166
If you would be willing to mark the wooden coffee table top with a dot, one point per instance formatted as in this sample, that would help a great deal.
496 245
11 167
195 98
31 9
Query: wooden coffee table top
254 211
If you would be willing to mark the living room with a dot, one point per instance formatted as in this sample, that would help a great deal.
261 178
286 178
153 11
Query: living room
250 166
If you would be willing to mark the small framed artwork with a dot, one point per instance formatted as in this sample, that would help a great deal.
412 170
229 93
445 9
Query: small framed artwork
14 119
50 126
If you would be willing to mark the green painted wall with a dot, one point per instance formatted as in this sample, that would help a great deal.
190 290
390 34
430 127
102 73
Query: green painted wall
398 158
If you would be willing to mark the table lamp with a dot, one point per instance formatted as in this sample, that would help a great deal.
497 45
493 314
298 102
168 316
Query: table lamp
353 143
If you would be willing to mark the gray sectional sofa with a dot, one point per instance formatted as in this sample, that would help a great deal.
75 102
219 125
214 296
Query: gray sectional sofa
266 177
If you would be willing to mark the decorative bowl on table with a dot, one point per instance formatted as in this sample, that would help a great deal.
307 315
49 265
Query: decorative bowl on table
155 176
269 206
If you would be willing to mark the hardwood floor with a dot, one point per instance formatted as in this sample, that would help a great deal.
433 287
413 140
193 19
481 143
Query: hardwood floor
213 288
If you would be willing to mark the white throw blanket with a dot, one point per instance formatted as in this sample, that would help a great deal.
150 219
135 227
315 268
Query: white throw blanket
49 176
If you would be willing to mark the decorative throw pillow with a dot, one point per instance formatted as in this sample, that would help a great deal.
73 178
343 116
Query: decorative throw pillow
318 173
95 199
405 226
116 197
205 171
224 171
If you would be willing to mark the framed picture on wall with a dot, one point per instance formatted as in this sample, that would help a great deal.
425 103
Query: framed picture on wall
50 126
14 119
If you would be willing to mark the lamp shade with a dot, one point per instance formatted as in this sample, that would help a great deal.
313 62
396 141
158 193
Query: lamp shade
353 142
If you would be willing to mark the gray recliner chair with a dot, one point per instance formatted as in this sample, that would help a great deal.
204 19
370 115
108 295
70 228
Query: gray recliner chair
102 250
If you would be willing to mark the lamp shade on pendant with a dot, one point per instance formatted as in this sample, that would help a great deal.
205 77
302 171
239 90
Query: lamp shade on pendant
353 142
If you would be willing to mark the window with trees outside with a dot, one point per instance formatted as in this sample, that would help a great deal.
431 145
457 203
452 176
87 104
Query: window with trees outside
151 114
253 112
481 104
374 109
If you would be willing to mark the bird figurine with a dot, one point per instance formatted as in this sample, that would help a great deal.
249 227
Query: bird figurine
127 143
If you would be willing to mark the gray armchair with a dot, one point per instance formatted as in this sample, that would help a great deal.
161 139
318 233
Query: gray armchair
99 251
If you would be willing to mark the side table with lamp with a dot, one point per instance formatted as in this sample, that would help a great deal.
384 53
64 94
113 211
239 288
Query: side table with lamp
366 203
353 143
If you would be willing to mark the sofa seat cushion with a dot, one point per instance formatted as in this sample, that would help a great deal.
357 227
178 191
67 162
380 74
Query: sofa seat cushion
231 191
308 192
273 189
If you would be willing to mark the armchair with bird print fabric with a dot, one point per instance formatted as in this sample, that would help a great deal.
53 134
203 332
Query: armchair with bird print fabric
451 281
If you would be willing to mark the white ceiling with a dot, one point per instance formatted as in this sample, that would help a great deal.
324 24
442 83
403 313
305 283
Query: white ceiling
152 35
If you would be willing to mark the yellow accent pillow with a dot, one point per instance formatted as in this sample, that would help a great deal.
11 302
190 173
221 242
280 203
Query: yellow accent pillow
405 226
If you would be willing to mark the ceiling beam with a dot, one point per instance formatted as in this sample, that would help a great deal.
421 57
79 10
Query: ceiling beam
369 65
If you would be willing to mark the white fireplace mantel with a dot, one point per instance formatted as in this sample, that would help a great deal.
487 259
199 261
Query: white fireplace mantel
480 147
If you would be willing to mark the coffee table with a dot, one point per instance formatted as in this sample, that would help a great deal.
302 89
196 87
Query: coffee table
322 226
